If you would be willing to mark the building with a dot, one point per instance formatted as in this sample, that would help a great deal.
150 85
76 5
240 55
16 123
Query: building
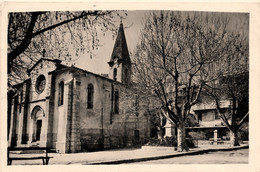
74 110
208 121
204 119
233 95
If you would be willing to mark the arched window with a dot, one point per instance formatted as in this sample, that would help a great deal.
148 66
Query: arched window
61 93
116 108
90 96
115 74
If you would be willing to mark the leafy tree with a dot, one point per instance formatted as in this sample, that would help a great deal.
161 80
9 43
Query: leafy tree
32 35
176 57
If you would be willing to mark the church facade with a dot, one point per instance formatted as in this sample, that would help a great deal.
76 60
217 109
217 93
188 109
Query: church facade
74 110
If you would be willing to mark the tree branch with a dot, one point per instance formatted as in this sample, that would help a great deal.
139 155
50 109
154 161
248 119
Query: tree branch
197 95
26 41
29 33
241 122
223 117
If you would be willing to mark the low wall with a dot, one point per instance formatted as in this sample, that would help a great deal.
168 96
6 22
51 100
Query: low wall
159 148
207 142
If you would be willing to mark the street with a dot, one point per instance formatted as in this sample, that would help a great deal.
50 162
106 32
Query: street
221 157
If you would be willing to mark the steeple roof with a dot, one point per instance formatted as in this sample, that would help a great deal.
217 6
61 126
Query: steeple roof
120 48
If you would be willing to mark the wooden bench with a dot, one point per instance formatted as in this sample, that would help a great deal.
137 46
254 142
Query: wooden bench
43 151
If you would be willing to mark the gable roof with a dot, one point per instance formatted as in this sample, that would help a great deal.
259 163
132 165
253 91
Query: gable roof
85 71
56 61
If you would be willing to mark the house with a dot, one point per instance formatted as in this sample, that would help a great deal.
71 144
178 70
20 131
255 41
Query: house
208 120
204 118
233 95
74 110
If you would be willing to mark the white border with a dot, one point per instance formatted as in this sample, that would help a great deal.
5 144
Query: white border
253 8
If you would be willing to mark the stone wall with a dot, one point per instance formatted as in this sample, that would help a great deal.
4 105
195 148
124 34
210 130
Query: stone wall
73 127
101 127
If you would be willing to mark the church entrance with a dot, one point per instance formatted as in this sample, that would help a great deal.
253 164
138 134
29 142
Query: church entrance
38 129
37 116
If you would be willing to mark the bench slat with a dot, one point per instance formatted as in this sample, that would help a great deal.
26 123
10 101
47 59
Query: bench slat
29 158
45 159
28 148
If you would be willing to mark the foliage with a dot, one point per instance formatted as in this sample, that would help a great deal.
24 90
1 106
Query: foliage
190 142
191 121
198 135
166 141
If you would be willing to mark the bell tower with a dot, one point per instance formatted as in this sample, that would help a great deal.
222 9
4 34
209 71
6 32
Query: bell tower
120 62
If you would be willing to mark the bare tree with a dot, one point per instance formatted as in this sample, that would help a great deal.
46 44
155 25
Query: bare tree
235 87
35 34
233 83
176 57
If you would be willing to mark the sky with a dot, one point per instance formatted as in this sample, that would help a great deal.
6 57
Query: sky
133 24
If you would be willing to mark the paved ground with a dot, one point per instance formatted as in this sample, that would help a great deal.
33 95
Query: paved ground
122 156
220 157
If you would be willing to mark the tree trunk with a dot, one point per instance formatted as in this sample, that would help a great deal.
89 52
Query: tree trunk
234 138
181 138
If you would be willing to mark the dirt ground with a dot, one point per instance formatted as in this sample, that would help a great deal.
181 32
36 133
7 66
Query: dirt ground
220 157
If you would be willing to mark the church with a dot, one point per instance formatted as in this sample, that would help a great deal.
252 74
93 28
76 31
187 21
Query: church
73 110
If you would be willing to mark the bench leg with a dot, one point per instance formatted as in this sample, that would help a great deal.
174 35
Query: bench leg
43 162
47 161
9 162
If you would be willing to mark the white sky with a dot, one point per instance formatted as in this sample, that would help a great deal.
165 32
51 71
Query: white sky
133 24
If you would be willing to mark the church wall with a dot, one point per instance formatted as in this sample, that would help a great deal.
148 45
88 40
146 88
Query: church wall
129 125
92 119
60 114
99 128
13 123
50 108
42 68
44 118
22 121
17 119
39 99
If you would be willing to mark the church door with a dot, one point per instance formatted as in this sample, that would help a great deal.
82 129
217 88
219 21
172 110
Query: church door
38 129
37 117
